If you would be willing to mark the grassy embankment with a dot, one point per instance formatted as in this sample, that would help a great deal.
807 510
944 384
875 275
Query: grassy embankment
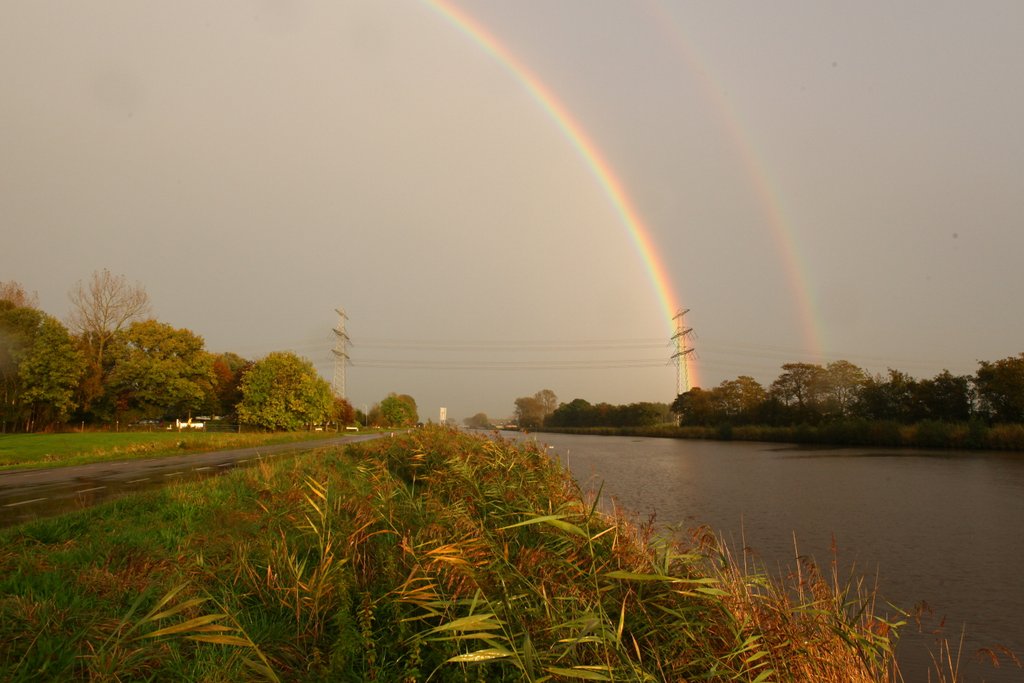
431 556
853 432
59 450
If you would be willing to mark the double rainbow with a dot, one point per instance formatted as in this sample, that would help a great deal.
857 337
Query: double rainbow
613 187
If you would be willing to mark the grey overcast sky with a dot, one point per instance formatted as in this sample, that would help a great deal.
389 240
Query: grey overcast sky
821 180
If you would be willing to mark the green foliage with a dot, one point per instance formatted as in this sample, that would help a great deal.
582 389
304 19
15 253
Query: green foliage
39 367
284 392
580 413
1001 388
398 410
841 404
159 370
58 450
801 390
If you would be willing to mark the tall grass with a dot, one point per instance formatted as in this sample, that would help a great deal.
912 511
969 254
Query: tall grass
432 556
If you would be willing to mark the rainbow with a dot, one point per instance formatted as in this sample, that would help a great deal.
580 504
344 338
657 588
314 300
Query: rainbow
768 198
578 137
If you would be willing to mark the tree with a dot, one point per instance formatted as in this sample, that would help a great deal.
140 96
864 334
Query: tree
531 411
50 373
945 397
12 291
103 307
399 410
800 388
642 414
739 400
39 367
548 402
100 309
842 385
889 398
284 392
17 325
478 421
696 407
342 411
1000 386
228 369
576 413
159 370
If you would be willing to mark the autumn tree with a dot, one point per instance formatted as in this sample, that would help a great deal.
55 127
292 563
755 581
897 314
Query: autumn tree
13 292
284 392
531 411
739 400
160 370
398 410
228 369
100 309
342 411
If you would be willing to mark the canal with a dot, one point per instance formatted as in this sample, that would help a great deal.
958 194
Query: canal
934 528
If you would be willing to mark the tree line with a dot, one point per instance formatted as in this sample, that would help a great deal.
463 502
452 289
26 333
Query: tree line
113 363
837 402
812 394
543 410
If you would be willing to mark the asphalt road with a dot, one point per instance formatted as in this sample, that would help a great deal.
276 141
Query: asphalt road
33 494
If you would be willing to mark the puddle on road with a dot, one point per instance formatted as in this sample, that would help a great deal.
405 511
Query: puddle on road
41 502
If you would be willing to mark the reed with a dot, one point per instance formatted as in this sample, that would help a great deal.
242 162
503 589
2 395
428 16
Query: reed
434 556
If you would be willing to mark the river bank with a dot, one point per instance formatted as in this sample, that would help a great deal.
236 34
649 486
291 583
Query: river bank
433 554
852 432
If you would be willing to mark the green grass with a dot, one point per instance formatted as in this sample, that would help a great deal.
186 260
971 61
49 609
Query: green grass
431 556
59 450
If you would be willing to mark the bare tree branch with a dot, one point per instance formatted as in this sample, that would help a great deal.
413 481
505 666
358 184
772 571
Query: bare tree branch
102 307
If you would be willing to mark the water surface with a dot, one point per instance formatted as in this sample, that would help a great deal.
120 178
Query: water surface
943 528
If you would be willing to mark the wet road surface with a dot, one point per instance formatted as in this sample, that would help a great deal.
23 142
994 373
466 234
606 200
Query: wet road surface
33 494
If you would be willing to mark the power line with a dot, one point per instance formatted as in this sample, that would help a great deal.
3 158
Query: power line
511 346
592 364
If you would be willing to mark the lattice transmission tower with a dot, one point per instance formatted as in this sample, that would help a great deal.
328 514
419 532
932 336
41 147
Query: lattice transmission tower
680 339
340 352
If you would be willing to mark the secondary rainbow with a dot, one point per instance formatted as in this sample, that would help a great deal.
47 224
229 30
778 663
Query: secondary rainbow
767 198
578 137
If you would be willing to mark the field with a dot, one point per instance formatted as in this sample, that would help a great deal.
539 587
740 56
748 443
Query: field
430 556
58 450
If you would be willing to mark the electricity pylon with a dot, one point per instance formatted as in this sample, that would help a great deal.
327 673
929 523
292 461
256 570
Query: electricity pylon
340 354
682 351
